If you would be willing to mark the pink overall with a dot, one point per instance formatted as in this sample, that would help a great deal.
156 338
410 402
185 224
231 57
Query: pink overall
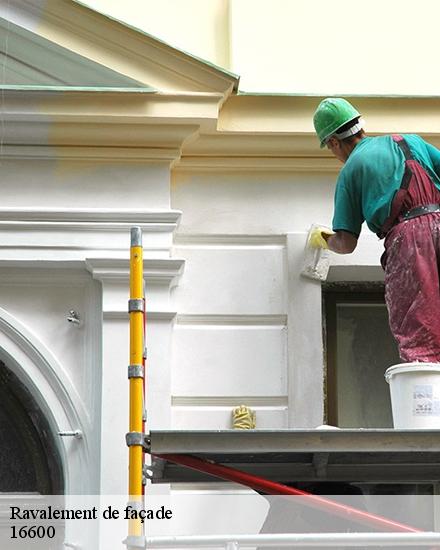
412 261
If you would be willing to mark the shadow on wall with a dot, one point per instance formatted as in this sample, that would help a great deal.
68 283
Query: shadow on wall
29 458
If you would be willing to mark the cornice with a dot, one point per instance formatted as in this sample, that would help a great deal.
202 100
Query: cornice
155 316
107 219
249 164
107 154
232 320
156 271
294 114
113 44
165 271
102 118
99 104
276 133
254 132
37 138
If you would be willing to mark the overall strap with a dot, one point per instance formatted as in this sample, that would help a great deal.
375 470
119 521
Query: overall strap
399 197
403 145
408 156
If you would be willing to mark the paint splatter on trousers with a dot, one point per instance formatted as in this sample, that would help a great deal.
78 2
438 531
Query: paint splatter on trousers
411 262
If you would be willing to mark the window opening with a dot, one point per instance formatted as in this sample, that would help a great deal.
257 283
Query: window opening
29 458
359 348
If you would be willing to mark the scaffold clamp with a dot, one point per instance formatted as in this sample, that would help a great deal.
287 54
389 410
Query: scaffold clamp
138 438
135 371
135 305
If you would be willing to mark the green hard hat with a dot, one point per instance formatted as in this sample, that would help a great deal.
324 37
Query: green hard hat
331 114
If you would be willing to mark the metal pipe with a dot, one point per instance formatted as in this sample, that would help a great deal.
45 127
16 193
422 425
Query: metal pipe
144 380
297 539
135 486
271 488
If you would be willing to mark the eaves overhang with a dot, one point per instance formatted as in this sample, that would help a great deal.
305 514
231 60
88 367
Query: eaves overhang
275 132
220 70
107 104
124 49
293 114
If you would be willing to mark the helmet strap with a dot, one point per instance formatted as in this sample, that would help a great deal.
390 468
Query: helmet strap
351 131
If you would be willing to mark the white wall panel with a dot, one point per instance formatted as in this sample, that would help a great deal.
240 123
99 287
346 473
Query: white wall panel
252 203
229 360
232 279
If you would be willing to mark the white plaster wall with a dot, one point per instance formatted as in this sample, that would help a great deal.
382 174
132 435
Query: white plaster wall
230 338
232 360
230 344
316 47
196 26
42 301
64 244
300 46
36 302
219 279
114 407
252 203
83 183
249 327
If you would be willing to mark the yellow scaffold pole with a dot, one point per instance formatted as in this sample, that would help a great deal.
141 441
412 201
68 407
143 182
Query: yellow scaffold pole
135 438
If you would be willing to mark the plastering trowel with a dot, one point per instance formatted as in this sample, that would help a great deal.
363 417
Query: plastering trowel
316 260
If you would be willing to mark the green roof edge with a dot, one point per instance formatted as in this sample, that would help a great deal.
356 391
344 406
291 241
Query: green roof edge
167 44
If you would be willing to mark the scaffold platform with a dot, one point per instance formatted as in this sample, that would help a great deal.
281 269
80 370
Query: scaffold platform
350 455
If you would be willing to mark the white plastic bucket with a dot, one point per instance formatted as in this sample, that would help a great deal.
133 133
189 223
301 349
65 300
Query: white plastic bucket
415 395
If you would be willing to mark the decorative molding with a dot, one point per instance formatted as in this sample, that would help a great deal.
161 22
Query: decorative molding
28 112
154 316
293 114
120 135
41 273
232 320
255 144
106 154
208 241
121 215
108 219
113 270
55 267
156 271
229 401
272 164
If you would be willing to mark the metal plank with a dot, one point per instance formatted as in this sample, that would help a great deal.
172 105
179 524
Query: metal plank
281 441
406 456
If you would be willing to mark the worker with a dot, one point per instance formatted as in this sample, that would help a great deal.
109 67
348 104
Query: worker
393 183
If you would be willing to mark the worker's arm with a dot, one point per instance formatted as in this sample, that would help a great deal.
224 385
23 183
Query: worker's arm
341 242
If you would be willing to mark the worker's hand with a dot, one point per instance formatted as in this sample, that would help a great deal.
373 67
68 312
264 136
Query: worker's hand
318 236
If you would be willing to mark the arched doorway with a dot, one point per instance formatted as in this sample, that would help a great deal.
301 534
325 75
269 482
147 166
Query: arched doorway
29 457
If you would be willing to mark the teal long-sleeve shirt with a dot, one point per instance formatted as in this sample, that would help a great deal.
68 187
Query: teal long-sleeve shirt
371 176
